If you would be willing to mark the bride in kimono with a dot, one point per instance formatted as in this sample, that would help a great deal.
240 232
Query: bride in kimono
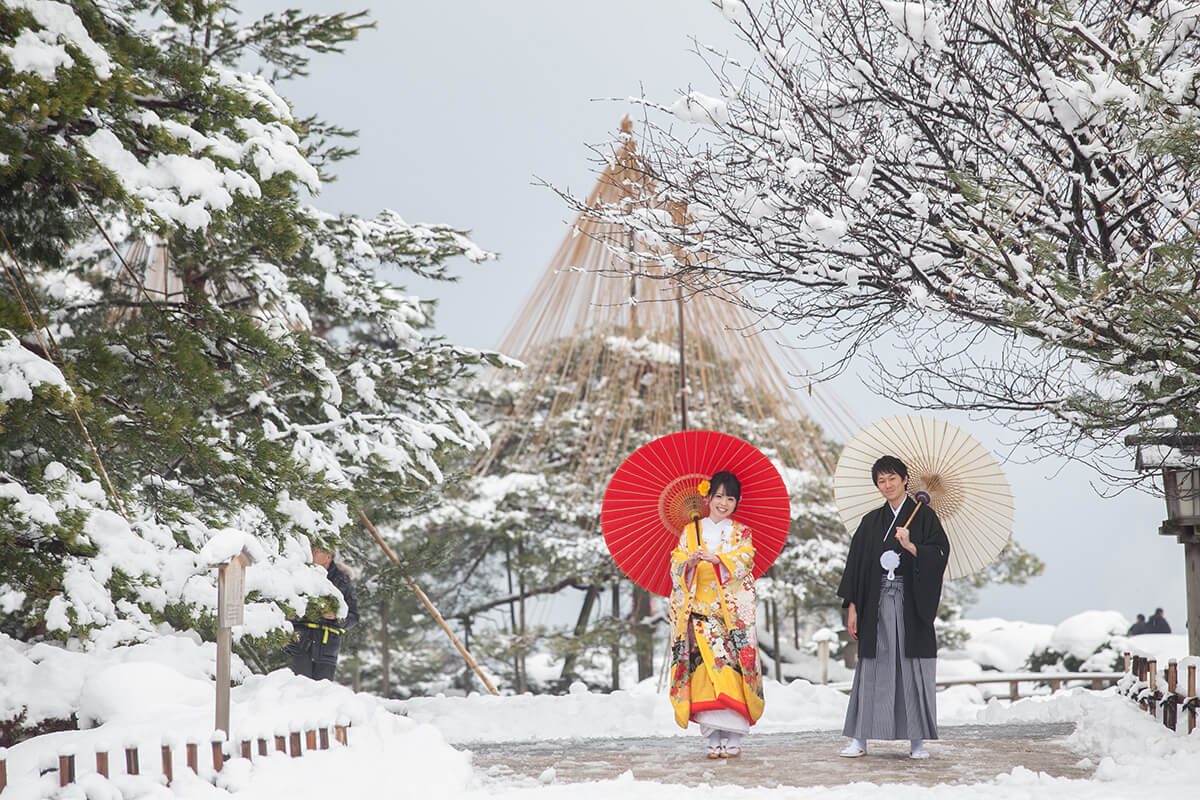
715 675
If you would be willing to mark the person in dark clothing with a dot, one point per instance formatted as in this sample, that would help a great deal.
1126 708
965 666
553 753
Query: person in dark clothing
1157 623
315 650
1138 627
891 588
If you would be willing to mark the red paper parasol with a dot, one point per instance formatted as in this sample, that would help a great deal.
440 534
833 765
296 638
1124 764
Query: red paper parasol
653 495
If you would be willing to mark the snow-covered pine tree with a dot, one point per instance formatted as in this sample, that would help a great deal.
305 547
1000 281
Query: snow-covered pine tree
1003 193
220 346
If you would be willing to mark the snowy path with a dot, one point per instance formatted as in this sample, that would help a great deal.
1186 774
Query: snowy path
965 754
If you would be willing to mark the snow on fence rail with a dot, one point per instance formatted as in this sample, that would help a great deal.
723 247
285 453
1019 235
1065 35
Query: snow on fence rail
1141 683
297 742
1055 680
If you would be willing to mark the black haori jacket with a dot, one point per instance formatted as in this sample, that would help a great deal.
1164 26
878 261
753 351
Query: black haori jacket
922 576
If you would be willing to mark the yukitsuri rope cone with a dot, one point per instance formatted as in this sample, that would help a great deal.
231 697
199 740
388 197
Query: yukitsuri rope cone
587 317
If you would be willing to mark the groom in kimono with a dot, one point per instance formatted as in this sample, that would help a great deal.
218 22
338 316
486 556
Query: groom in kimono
891 589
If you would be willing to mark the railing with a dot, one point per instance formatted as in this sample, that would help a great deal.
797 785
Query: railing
297 742
1055 680
1141 683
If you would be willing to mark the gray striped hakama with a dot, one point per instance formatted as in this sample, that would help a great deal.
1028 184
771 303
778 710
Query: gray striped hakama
882 707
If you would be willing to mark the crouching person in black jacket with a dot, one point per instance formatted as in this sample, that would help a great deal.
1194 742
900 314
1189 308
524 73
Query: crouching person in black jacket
315 650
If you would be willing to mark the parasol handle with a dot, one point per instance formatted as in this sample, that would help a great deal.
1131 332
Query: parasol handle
922 498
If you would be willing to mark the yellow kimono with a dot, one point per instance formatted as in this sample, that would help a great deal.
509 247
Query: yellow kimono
714 647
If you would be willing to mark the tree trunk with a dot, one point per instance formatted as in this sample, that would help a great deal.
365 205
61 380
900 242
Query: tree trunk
585 613
775 638
795 624
512 612
643 635
616 644
523 675
467 646
385 644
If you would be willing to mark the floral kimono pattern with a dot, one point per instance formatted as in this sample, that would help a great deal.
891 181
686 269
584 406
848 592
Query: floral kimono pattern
714 647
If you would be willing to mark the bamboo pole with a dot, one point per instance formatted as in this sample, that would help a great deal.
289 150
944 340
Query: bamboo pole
428 605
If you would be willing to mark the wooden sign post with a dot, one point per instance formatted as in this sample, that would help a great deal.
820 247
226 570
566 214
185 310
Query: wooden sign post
231 605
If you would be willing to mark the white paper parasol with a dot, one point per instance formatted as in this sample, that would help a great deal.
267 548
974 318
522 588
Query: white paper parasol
970 494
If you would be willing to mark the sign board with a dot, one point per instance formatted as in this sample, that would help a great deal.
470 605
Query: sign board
231 593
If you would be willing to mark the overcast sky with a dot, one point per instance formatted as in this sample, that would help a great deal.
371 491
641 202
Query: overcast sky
461 103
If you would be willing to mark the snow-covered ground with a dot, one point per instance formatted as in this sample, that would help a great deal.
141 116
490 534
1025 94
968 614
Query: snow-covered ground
162 692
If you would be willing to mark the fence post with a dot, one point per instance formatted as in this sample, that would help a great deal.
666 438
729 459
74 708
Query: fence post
1192 694
101 762
295 737
262 745
218 749
66 769
131 760
324 736
310 739
1171 710
3 768
1014 690
168 767
246 749
339 733
280 742
1152 669
193 756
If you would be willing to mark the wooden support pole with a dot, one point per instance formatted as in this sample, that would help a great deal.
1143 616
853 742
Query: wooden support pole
1014 690
280 743
295 737
433 612
324 736
131 760
101 763
167 766
262 745
247 750
218 755
193 757
339 733
1191 557
66 769
310 740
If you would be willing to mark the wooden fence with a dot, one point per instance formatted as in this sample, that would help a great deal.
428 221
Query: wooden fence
296 742
1158 692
